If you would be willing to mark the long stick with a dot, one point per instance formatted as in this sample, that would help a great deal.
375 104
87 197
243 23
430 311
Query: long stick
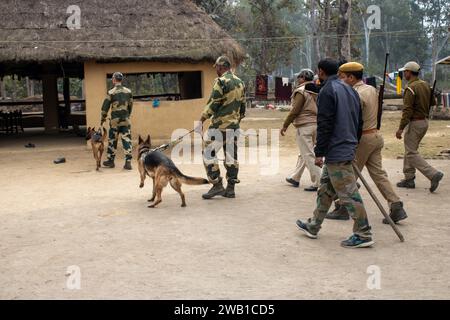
377 202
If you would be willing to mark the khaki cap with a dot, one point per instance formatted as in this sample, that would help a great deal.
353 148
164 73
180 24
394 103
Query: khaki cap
411 66
351 67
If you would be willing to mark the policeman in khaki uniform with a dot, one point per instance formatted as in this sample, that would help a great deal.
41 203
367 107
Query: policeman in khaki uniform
120 101
368 153
225 109
304 118
414 121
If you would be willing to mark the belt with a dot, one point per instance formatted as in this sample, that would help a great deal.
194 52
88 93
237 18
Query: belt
369 131
418 118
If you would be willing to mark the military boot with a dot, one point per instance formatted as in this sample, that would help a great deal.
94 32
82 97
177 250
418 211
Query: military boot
127 165
407 183
109 163
229 191
216 190
339 213
397 213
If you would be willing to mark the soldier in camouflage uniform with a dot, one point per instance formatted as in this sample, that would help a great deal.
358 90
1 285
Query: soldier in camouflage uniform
225 108
120 101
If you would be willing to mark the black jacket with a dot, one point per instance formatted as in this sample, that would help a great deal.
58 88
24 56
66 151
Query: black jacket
339 121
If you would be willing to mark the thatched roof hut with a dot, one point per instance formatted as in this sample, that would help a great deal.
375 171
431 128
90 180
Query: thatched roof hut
42 40
111 30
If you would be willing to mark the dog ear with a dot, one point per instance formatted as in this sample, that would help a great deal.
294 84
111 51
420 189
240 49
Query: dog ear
148 141
140 140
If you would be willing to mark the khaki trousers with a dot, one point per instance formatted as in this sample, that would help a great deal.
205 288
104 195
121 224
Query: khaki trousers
306 140
368 154
414 134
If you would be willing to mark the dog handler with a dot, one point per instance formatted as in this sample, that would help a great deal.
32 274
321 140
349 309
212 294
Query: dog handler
120 101
226 109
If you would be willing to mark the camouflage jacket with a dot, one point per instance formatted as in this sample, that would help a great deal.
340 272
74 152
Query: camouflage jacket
226 106
120 101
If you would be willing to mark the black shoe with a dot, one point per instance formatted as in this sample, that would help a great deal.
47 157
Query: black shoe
357 242
216 190
397 213
109 164
229 191
339 213
311 189
303 227
435 181
293 182
127 165
408 184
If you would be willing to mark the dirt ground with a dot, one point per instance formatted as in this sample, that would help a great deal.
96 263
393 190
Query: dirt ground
57 216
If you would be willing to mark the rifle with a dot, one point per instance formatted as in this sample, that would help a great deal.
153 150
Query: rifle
431 100
381 93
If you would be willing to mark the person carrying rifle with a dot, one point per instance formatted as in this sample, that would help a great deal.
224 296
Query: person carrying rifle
368 153
339 128
417 100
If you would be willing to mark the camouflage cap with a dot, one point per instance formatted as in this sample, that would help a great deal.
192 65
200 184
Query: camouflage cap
411 66
118 76
223 61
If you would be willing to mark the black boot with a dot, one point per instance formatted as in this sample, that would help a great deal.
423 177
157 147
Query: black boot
339 213
397 213
216 190
435 181
407 183
127 165
109 163
229 191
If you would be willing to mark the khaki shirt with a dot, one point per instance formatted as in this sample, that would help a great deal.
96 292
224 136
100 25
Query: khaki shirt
416 102
304 107
369 104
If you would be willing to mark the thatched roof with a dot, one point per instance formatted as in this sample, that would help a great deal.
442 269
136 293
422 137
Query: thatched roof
111 30
444 61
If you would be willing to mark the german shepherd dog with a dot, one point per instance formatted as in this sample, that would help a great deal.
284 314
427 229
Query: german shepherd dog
163 171
98 139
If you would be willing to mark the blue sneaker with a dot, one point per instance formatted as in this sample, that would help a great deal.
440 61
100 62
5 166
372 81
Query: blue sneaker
302 226
356 242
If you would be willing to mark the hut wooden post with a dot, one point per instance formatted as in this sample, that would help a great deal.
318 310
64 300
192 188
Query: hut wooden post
66 93
50 98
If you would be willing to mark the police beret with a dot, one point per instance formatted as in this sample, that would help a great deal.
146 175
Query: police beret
351 67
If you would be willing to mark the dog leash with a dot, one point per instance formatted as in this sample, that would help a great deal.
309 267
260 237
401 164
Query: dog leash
166 146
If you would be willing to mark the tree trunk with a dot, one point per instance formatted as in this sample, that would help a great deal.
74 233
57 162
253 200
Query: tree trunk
343 29
2 90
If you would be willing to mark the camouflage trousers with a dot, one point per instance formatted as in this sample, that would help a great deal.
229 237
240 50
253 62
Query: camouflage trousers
215 141
125 134
338 179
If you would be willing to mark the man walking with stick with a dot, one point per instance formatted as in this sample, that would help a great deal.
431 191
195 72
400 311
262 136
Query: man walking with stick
368 153
339 130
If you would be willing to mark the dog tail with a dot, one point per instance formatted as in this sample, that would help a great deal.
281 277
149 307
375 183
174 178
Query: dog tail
193 181
186 179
